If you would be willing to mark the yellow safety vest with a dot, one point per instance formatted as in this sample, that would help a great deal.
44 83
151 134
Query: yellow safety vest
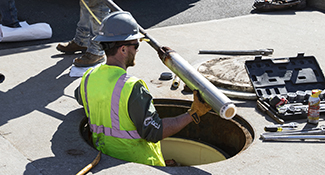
105 92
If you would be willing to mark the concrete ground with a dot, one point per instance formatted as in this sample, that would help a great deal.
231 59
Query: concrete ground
40 117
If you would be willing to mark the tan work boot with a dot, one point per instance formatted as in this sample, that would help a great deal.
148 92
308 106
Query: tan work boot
88 59
70 48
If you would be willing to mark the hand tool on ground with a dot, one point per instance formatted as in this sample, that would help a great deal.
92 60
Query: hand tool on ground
294 137
219 102
277 129
314 131
317 133
304 108
281 127
287 125
268 111
91 165
238 52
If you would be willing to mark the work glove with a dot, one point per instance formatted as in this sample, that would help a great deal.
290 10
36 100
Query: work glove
164 51
198 108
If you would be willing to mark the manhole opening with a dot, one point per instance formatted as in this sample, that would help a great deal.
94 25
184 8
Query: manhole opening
213 139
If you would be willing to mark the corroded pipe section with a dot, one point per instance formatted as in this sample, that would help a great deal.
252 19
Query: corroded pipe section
219 102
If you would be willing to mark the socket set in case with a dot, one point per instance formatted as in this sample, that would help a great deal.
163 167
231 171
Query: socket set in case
284 85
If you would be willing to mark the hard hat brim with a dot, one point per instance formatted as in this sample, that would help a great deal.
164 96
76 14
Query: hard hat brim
102 38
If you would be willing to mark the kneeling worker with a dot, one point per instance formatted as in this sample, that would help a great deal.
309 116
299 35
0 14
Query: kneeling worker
123 120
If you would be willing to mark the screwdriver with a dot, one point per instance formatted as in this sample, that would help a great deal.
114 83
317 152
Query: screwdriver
276 128
279 128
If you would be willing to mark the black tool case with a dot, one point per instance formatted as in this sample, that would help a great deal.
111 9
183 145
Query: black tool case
290 78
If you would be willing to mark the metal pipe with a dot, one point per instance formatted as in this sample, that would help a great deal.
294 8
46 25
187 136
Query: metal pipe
291 137
238 52
194 80
219 102
318 131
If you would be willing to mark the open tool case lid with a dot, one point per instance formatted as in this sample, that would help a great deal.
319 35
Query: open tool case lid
281 76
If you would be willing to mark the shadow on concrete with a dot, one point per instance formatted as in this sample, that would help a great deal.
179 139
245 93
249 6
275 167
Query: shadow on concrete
188 170
71 153
37 92
63 16
24 49
245 103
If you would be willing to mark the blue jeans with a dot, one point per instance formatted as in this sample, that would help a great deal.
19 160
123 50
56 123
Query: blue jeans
88 27
9 13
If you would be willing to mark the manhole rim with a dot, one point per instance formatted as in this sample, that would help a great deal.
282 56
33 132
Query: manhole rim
186 103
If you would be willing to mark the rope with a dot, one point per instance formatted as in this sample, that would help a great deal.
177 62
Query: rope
92 14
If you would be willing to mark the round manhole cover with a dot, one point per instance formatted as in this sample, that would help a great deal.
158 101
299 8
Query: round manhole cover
228 73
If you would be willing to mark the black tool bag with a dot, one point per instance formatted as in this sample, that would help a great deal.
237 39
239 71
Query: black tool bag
271 5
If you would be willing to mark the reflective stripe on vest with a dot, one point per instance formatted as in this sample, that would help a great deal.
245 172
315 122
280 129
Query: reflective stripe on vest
115 130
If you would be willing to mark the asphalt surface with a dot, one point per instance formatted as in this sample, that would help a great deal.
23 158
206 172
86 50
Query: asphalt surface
63 15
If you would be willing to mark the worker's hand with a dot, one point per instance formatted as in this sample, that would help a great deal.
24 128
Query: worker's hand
164 51
198 108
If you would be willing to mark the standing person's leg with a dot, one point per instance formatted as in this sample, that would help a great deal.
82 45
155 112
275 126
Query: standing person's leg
100 10
81 38
83 26
9 13
94 53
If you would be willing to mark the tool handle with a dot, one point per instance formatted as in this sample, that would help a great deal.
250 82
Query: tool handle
272 129
91 165
270 113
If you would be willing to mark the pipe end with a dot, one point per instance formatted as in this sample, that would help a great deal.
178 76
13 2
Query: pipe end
228 111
